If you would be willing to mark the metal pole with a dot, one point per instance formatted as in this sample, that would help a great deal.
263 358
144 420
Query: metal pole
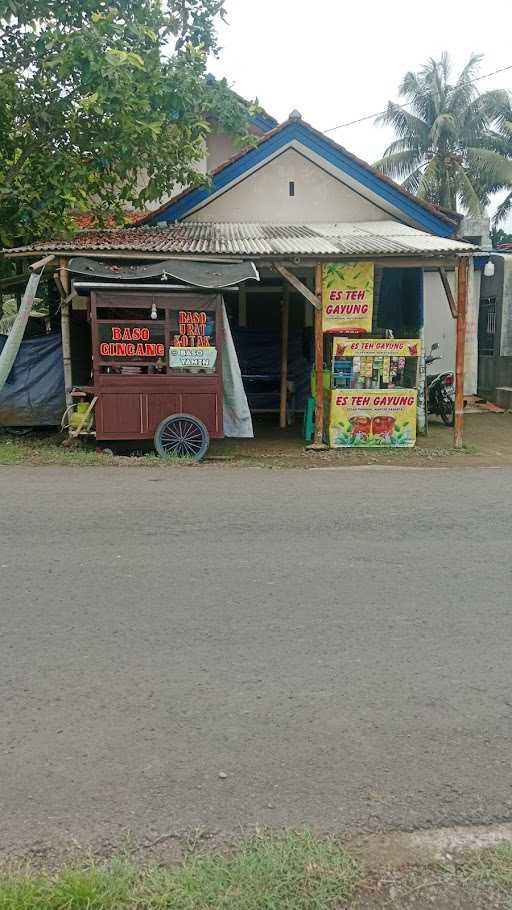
462 296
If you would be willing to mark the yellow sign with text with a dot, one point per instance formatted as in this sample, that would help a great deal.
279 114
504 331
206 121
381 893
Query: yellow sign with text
376 347
347 297
372 418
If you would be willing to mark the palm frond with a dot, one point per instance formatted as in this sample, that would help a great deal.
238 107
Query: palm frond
493 169
405 124
412 182
464 91
468 194
503 210
497 142
428 182
479 115
401 145
398 164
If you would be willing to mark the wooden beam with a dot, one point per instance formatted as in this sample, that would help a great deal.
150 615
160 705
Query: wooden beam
448 291
298 285
462 297
285 312
41 263
318 442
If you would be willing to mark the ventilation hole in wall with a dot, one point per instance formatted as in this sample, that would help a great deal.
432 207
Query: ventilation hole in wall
291 187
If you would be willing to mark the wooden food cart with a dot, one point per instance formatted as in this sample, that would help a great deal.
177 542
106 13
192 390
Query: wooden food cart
156 369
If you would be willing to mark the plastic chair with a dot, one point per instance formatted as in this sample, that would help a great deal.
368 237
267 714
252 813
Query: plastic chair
309 419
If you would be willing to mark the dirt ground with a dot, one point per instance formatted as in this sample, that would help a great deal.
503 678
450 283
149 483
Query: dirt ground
487 443
487 440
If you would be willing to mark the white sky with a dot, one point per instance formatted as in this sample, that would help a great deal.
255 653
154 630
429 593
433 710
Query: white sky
335 61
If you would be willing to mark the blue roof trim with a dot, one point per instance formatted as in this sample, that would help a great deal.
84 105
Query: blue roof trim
315 143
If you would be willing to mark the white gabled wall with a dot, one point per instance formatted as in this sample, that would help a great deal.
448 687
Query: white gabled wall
265 196
440 325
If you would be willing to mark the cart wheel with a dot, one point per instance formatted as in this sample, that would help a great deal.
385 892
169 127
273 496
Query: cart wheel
182 436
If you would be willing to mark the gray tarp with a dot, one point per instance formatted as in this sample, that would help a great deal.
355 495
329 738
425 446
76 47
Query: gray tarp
237 416
199 274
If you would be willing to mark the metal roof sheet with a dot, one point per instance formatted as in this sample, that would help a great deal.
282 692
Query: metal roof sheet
340 239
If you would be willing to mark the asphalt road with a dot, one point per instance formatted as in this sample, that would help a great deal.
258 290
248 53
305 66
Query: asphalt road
336 642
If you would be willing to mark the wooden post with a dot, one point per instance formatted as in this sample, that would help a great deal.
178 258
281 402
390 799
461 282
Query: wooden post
285 312
319 364
66 332
462 295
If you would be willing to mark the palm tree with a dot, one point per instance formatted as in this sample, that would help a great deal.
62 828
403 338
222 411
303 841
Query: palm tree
495 162
442 129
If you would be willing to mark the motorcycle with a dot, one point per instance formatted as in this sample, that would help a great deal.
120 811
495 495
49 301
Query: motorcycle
440 390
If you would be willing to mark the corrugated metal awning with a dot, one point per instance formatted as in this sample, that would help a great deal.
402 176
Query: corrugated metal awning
197 274
268 241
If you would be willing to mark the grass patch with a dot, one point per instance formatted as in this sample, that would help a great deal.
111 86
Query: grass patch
492 866
48 451
41 449
291 872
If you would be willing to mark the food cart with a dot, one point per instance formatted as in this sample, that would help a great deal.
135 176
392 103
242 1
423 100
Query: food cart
163 363
372 400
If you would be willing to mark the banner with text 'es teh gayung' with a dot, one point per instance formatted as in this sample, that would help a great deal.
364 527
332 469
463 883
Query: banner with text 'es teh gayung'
347 297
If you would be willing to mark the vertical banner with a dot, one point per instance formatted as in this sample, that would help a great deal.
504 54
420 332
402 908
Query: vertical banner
347 297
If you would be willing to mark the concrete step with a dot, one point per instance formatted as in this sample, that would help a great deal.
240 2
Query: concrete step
504 396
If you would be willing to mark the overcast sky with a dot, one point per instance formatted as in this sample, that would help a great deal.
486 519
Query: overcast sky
336 61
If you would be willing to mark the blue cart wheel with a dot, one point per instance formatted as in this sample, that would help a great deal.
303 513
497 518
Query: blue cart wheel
182 436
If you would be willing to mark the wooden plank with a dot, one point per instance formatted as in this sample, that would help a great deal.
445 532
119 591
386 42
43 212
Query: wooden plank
41 263
319 364
299 286
285 312
83 421
448 291
462 295
65 326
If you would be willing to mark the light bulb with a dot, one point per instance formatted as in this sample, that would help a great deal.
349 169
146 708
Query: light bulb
154 314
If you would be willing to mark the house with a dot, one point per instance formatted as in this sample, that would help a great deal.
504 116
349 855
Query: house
294 201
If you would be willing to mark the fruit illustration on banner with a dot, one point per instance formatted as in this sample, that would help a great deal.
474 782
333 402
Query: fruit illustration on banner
373 417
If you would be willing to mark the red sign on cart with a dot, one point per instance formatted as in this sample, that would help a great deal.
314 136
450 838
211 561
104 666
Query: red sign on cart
131 342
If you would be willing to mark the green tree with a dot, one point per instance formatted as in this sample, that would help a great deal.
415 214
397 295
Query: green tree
499 236
495 161
94 93
442 131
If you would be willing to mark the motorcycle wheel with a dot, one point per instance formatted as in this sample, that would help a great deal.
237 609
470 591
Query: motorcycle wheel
447 411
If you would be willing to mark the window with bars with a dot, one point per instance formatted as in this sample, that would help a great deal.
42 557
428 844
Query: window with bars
487 326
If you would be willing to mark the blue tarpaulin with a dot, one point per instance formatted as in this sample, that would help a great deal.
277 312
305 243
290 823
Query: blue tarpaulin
34 392
259 356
